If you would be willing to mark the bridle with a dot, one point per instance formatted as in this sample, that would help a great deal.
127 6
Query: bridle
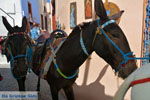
27 56
100 31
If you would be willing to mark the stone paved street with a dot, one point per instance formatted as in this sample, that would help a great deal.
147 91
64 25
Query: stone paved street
10 84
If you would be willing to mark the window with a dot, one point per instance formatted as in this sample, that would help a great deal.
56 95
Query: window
30 10
46 27
42 22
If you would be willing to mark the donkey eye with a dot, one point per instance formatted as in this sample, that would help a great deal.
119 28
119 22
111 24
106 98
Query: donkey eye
115 35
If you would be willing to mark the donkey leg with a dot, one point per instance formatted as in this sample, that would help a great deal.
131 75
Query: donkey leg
69 93
21 83
54 92
53 88
38 84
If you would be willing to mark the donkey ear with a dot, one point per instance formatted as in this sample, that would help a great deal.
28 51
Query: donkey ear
24 24
117 15
100 9
7 25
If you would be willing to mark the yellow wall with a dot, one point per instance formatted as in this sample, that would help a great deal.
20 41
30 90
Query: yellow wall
107 84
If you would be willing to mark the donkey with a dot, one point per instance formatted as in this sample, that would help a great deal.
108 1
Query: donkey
104 37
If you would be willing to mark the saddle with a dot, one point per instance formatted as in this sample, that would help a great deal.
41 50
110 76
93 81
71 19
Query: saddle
51 50
46 51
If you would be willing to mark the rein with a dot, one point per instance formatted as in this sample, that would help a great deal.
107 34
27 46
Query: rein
82 44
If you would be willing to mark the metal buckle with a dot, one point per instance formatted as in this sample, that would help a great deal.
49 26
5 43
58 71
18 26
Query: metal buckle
98 31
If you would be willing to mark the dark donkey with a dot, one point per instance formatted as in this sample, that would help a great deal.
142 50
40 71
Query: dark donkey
104 37
17 48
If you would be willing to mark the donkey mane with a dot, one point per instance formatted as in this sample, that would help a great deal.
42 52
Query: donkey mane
83 26
73 34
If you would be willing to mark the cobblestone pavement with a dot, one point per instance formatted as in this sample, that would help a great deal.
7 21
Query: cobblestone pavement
10 84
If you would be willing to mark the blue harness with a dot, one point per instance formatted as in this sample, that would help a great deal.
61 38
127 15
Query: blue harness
27 56
124 55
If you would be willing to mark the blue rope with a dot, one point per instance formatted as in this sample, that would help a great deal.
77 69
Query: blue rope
19 56
82 45
98 22
129 58
107 23
102 31
64 76
29 55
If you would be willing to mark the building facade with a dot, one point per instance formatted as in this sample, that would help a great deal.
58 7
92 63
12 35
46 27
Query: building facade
31 9
36 11
45 14
12 10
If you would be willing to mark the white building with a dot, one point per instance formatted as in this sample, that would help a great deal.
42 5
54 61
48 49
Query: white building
45 9
11 9
14 10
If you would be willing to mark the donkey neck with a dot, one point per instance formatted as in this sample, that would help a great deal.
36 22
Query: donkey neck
71 56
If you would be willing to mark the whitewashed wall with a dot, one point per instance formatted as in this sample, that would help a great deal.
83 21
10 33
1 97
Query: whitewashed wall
13 7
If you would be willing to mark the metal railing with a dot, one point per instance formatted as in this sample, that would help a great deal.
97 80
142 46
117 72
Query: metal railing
9 16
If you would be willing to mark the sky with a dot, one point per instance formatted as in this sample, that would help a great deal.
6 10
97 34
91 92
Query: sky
48 0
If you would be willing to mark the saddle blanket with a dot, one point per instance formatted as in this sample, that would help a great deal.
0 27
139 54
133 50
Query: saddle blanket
51 50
